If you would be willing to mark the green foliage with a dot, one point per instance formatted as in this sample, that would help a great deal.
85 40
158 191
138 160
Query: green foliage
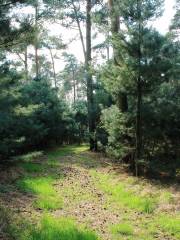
38 115
45 119
141 52
159 110
119 130
77 131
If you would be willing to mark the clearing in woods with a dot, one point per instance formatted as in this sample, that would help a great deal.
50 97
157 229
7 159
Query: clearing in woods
71 194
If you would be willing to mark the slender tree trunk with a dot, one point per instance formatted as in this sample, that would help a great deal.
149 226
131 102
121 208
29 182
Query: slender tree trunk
139 95
53 67
24 59
87 57
115 27
107 47
36 41
108 55
79 29
74 86
138 124
26 63
92 140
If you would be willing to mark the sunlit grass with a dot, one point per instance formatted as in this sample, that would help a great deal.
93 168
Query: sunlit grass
47 197
48 202
120 194
170 224
38 185
58 229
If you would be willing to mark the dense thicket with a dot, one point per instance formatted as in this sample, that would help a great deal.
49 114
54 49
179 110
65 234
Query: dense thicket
145 69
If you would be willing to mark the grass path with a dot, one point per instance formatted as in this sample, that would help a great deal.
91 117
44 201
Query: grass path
71 194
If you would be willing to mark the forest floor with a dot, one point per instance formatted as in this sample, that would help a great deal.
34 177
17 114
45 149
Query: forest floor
71 194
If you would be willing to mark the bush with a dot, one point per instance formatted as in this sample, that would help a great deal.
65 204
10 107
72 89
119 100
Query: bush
34 116
120 132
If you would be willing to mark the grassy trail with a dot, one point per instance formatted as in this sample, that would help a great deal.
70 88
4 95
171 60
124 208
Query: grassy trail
71 194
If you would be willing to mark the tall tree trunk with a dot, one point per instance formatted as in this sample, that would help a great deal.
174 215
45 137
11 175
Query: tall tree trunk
26 63
24 59
36 41
115 27
92 140
138 124
53 67
74 86
107 47
79 29
139 95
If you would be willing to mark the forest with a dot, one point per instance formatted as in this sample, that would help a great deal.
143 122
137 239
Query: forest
89 120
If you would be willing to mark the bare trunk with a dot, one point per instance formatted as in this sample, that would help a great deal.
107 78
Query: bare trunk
107 47
138 124
24 59
36 41
26 63
53 67
79 29
108 55
74 87
139 96
92 140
